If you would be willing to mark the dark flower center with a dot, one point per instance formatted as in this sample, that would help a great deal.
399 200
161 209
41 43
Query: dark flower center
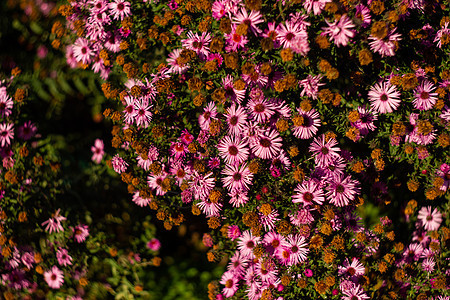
229 283
308 197
233 150
351 271
265 142
340 189
260 107
237 176
250 244
289 36
324 150
424 95
233 120
120 6
384 97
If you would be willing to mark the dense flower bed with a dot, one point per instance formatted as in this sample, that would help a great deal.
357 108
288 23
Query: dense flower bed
312 135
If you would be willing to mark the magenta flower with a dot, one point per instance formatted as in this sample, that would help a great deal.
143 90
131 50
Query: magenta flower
339 31
154 244
54 277
325 152
6 134
268 145
233 150
309 126
119 164
80 233
308 193
233 232
97 151
237 177
384 97
431 220
63 257
6 103
425 98
119 9
82 50
230 281
355 268
342 190
54 223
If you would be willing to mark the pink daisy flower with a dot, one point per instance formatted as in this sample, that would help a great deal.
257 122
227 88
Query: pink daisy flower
119 164
274 240
386 46
366 119
234 40
218 9
82 50
97 151
119 9
199 44
339 31
428 265
6 103
384 97
268 222
233 150
233 233
268 145
246 243
431 220
129 113
236 120
209 113
209 208
355 268
238 198
260 109
298 248
267 271
54 223
363 14
80 233
309 126
315 6
142 114
6 134
324 151
155 182
202 185
172 61
63 257
308 193
237 177
441 32
284 255
230 92
230 281
289 33
356 293
424 96
311 86
27 130
342 190
302 216
54 277
140 201
251 20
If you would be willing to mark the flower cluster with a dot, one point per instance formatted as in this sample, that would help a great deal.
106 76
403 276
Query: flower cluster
284 122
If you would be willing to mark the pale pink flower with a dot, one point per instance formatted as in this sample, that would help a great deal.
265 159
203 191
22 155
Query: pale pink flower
431 220
54 277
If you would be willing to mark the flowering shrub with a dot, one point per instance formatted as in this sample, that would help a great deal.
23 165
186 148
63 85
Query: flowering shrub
313 135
